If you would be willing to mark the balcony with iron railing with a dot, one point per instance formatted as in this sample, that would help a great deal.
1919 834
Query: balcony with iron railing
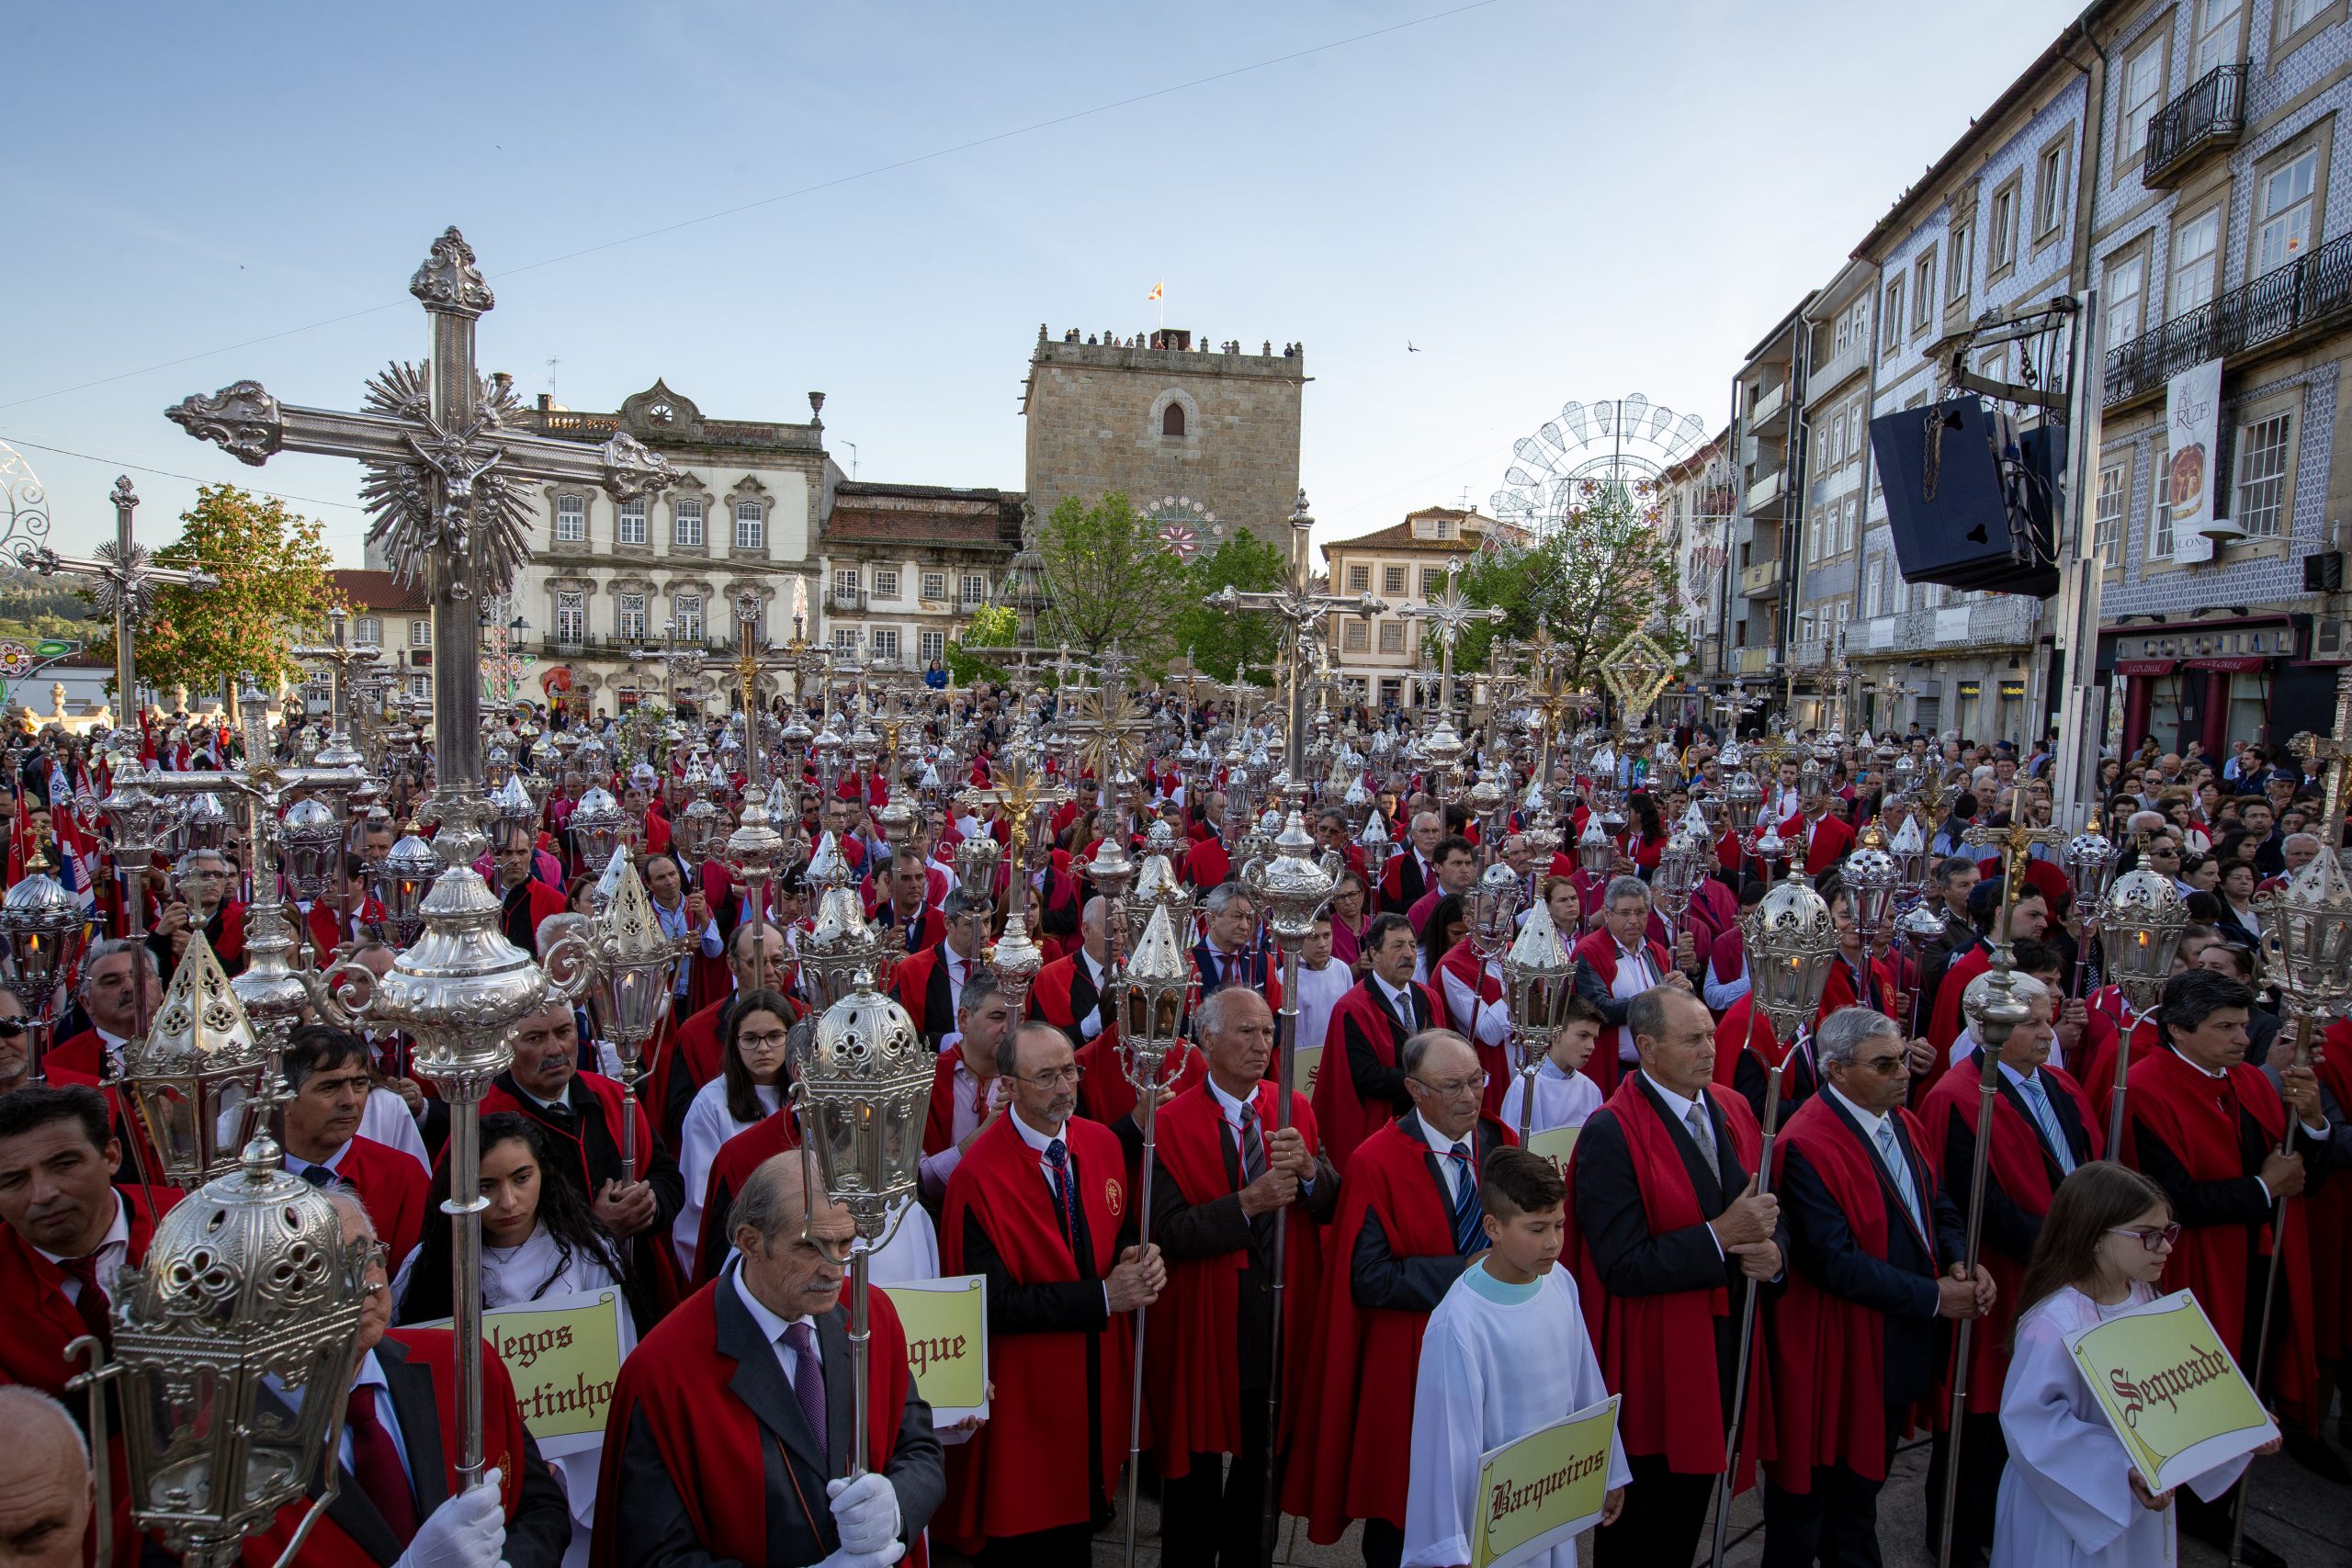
2208 117
2283 304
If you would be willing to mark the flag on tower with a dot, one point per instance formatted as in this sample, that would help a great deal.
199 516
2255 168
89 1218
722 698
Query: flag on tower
1158 291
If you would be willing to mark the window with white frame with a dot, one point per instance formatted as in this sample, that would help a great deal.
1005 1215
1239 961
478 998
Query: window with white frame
630 527
886 644
318 686
886 582
934 585
2297 15
1838 439
2002 250
1841 333
976 588
845 639
570 615
2143 92
571 519
367 631
2284 218
2217 35
686 611
934 646
1392 581
1392 636
1849 524
421 687
1432 582
629 616
1355 638
1860 314
686 524
751 525
2194 244
845 583
1956 269
2049 188
1359 579
2263 458
1894 316
1923 289
420 633
2127 286
2159 517
2106 533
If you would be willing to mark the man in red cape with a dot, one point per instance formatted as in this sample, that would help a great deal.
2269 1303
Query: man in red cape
523 899
2042 1128
1615 964
2028 918
1039 1205
1478 1009
1666 1243
1070 994
928 983
328 1072
1360 1087
965 1096
1224 1172
2205 1124
1820 837
1853 1340
730 1431
1409 1223
738 1158
687 1053
397 1495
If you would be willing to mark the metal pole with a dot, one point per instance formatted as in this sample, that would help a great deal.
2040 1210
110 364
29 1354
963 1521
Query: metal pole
2270 1287
1988 1092
2075 777
1285 1065
1747 1315
1146 1117
464 1206
860 1355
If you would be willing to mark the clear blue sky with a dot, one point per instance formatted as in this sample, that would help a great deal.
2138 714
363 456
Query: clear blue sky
1551 200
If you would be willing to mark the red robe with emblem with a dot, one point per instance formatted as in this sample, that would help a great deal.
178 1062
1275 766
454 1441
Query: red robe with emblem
1345 1120
1024 1472
1367 1360
1191 1385
1599 950
2016 1163
1657 1352
1947 1020
1838 991
711 1443
502 1446
1830 1348
1831 839
2196 1116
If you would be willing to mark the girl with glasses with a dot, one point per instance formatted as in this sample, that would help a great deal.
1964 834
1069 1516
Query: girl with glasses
2070 1496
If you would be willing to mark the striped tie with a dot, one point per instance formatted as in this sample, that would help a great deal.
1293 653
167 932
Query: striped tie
1253 1145
1469 1236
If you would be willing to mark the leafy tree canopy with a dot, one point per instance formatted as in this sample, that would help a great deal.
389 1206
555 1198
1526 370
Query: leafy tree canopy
1219 643
1112 580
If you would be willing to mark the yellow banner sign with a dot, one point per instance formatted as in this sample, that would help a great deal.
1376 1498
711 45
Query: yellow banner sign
2171 1390
564 1354
1543 1490
947 1342
1305 1062
1557 1145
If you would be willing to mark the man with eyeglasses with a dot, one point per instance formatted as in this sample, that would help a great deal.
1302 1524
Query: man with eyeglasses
1039 1205
2205 1125
206 901
1360 1086
1876 1250
1409 1223
2042 1128
398 1451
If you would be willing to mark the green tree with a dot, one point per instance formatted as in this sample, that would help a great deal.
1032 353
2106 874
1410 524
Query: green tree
274 592
1112 580
994 627
1605 573
1218 643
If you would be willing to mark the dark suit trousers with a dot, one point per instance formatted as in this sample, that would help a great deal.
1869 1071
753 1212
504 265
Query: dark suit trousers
1064 1546
1211 1518
1383 1544
1834 1524
1664 1517
1983 1455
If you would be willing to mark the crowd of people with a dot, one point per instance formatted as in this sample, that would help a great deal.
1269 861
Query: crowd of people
1355 1283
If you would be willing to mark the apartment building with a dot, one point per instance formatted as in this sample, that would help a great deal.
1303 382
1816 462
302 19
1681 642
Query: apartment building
1698 506
1401 565
1770 449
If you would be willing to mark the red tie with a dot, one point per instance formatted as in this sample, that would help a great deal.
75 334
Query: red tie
376 1464
90 1304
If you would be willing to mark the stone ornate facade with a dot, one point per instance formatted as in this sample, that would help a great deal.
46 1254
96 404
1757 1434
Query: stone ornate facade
905 566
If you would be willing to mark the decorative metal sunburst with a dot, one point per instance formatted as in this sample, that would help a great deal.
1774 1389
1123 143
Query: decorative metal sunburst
124 582
1637 670
484 514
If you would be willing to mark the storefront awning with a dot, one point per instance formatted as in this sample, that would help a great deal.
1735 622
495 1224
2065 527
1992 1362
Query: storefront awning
2243 664
2145 666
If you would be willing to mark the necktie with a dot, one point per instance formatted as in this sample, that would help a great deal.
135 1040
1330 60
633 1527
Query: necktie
1057 1157
1468 1234
90 1304
1703 1134
979 1099
2038 1099
376 1464
1899 1169
809 1382
318 1176
1253 1145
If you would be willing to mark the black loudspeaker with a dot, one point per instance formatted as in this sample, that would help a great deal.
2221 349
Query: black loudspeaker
1969 499
2323 572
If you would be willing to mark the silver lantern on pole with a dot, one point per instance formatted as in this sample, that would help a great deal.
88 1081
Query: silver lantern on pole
1541 978
636 973
2141 924
42 930
1151 1020
601 827
198 1073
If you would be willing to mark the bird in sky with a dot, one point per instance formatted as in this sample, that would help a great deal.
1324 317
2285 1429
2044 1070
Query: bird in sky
1409 348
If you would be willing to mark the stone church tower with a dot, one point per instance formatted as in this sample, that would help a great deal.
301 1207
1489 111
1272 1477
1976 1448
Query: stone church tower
1204 441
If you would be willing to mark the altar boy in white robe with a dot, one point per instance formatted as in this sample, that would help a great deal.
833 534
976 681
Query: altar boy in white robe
1505 1352
1564 1093
2069 1497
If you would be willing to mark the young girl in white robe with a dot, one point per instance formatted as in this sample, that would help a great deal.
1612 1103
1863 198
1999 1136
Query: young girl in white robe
2069 1497
1505 1352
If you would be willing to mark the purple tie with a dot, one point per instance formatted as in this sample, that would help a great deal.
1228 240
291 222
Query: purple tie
809 1382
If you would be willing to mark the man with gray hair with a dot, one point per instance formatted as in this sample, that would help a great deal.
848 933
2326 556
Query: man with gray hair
1877 1248
109 969
1618 962
929 984
1229 953
735 1416
205 884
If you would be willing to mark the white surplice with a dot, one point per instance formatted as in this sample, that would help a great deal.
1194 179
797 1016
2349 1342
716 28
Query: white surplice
2065 1498
1562 1100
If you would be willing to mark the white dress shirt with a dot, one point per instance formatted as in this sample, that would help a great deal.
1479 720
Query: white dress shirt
1635 973
1492 1026
1456 1173
772 1325
963 1120
108 1255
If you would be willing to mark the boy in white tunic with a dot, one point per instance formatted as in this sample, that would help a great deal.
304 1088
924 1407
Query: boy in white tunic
1564 1093
1505 1352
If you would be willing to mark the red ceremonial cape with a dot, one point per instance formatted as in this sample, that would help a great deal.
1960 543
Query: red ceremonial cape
1026 1470
1599 950
910 986
1049 999
1659 1351
2098 1077
1104 1092
1345 1120
502 1446
1827 1346
393 1187
693 1048
1838 991
739 1157
2020 1167
1945 1022
41 1321
1191 1384
1367 1359
2196 1116
1463 963
711 1443
1831 840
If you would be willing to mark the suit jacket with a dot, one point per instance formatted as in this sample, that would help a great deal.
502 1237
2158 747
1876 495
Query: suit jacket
1376 1276
654 1526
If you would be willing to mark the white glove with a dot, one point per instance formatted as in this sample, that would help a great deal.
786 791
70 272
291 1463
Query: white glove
866 1512
466 1531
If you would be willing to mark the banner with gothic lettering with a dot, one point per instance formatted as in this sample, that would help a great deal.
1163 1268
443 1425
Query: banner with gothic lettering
1543 1490
946 1322
2170 1387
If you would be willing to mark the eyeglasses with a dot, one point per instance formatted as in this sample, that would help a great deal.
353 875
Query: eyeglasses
11 1027
1454 1089
2154 1240
763 1042
1885 1066
1052 1077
